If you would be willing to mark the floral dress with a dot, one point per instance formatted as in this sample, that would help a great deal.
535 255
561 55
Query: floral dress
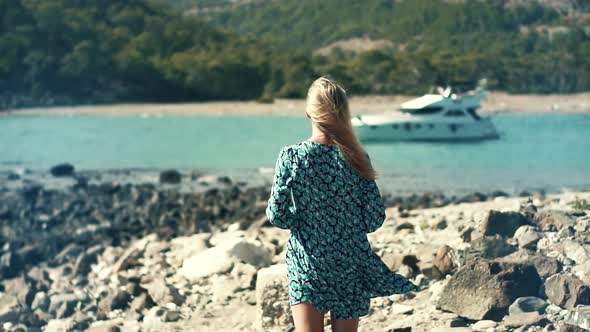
329 209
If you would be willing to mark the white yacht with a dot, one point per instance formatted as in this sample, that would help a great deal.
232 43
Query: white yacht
432 117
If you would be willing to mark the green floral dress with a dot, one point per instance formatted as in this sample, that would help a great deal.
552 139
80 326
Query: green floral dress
329 209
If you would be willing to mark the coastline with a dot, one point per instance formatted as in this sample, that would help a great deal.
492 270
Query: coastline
369 104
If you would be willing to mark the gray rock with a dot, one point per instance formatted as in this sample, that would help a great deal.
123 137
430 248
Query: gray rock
62 170
466 234
490 247
579 316
484 325
23 287
484 289
59 325
140 302
545 266
528 209
155 315
566 290
527 237
132 255
163 293
86 259
9 308
104 327
62 305
556 218
528 304
576 251
170 176
525 319
401 309
40 301
567 232
502 223
273 311
444 260
221 258
118 299
565 327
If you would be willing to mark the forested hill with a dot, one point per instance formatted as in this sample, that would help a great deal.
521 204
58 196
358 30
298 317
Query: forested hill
313 24
402 46
75 52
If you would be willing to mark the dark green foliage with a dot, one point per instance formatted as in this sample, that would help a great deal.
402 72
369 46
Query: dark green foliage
436 41
62 52
65 52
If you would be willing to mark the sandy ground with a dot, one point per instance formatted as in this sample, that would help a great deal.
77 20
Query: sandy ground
496 102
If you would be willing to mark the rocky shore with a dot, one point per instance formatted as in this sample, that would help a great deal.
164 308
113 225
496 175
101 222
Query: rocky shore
106 255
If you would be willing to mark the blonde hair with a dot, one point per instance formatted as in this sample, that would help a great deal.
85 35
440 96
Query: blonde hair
327 105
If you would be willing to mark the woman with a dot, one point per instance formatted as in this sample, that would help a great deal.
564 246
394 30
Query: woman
324 191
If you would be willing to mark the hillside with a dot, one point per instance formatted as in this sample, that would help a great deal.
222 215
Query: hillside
312 24
59 52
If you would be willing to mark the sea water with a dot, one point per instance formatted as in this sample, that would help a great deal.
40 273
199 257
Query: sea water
549 151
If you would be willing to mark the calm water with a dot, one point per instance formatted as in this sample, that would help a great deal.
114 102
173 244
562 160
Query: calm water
549 151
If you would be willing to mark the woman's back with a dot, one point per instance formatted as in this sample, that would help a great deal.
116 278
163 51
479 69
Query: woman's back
329 209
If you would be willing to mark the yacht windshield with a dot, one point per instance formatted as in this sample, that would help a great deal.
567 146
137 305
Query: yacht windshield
473 114
424 110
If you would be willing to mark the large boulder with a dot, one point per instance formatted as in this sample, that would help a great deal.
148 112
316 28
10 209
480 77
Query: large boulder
503 223
490 247
221 258
566 290
545 266
484 289
273 312
548 219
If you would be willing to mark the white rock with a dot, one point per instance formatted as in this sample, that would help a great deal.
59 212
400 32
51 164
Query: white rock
187 246
580 316
401 309
221 258
436 289
483 325
576 251
527 236
273 311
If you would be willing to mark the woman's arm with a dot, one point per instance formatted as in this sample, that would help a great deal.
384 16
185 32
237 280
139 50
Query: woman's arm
373 208
281 210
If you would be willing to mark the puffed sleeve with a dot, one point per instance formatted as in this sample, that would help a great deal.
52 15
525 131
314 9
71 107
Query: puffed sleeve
373 208
281 210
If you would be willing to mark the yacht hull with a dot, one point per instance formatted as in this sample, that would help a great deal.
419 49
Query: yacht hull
424 130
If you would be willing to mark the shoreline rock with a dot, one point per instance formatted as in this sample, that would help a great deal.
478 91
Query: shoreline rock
142 257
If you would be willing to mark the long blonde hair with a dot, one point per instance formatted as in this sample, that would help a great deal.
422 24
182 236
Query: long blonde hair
327 105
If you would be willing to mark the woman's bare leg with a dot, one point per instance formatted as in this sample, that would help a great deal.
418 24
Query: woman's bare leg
344 325
307 318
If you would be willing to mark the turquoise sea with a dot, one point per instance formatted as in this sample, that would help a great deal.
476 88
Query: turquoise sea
549 151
